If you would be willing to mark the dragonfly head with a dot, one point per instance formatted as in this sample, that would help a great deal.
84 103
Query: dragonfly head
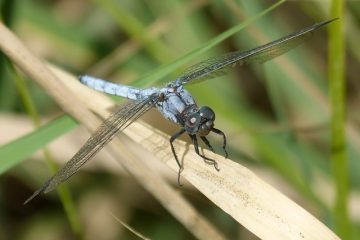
200 122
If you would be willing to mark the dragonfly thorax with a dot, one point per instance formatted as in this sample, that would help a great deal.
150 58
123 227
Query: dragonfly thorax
200 122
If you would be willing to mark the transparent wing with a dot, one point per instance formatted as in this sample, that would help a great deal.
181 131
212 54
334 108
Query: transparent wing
119 120
219 66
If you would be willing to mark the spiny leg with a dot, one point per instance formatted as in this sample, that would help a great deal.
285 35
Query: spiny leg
207 143
172 138
217 131
206 159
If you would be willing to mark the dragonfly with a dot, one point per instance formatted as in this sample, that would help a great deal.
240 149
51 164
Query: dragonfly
174 102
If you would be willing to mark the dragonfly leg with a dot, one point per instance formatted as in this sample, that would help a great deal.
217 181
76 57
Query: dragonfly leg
204 139
217 131
206 159
172 139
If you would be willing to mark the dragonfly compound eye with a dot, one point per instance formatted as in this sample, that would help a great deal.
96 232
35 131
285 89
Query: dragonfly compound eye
207 113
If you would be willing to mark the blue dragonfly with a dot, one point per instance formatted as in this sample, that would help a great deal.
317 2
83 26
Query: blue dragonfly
174 102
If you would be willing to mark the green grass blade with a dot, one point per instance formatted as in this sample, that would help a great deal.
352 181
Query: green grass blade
338 140
16 151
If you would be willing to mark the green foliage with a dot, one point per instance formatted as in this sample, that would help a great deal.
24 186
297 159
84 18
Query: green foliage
30 143
278 113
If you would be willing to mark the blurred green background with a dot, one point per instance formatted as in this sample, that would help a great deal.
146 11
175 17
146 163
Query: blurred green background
276 115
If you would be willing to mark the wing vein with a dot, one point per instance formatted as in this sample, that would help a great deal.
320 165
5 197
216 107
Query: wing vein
119 120
219 66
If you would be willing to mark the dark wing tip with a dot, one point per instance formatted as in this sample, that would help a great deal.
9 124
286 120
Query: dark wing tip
320 24
37 192
314 27
43 189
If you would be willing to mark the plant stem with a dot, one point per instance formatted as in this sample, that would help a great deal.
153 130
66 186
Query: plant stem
339 159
